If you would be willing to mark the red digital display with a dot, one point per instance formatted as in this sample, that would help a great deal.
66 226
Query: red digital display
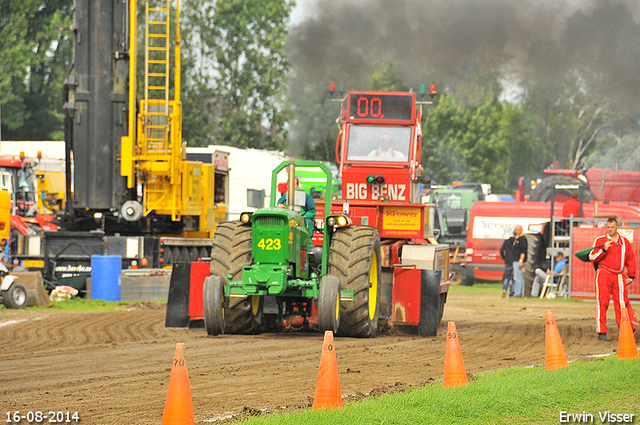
380 106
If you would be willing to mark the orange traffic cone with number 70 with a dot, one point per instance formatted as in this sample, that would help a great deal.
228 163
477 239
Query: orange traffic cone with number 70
454 372
554 354
328 394
178 409
627 348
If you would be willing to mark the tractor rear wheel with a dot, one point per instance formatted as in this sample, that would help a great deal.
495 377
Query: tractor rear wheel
442 299
355 260
542 192
459 276
535 256
231 252
329 304
213 299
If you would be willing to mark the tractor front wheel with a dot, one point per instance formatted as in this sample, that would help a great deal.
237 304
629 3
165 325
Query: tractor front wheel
329 304
213 303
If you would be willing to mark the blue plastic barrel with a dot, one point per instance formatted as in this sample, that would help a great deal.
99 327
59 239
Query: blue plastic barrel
105 277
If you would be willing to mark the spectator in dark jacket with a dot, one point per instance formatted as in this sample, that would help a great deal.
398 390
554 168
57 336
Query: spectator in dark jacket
520 256
506 252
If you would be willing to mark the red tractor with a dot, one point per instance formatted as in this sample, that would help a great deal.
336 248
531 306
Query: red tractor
395 267
600 185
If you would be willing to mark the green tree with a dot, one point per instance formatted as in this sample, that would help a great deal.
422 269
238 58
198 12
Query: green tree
36 50
590 98
525 156
492 143
198 88
237 49
463 143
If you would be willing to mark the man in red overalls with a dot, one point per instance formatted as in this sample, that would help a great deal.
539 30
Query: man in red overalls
612 253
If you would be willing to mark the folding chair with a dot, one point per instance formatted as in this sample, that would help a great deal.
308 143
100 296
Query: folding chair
557 286
548 283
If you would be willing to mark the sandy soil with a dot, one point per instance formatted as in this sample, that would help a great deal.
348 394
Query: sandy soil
114 367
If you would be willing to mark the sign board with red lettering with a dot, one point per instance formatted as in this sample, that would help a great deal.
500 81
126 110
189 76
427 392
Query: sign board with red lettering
402 222
221 160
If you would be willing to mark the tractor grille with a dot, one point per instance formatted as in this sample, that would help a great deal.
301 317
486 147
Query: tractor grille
269 221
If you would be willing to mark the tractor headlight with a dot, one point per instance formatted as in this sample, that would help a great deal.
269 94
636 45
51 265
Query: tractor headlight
338 220
245 217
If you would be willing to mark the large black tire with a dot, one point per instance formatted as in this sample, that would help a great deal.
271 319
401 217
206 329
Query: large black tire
442 299
15 296
542 192
329 304
459 276
194 254
355 260
185 257
213 305
231 252
536 253
167 257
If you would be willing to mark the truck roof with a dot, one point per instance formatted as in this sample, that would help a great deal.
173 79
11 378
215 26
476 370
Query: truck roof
14 162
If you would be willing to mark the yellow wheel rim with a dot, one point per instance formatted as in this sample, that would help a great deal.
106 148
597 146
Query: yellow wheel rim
338 306
373 286
255 304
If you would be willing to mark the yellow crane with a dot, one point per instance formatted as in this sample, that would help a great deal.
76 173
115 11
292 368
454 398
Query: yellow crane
153 153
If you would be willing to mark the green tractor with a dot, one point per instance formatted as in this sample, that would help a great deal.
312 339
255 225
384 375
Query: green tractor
268 255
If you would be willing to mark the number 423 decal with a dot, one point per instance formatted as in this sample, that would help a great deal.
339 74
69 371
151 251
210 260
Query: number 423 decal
270 244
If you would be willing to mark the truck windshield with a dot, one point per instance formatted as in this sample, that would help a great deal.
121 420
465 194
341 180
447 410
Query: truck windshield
372 143
24 179
448 200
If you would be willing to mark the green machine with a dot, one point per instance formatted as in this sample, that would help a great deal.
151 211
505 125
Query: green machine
268 254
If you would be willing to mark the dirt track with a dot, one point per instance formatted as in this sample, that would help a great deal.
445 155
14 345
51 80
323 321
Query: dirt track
114 367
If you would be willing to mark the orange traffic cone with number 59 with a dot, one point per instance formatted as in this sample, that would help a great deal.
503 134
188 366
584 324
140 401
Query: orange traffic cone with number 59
454 372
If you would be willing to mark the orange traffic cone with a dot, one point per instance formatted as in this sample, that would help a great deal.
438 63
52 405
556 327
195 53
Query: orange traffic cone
554 354
627 348
328 386
454 372
178 409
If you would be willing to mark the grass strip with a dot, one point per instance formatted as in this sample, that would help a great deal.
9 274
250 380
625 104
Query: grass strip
83 304
509 396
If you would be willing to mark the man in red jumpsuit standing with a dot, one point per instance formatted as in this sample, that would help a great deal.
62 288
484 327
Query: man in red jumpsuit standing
612 252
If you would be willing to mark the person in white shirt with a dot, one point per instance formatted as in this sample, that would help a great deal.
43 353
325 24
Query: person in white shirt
385 151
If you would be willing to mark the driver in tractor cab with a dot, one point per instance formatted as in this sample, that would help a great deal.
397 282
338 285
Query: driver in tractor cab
308 209
385 151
